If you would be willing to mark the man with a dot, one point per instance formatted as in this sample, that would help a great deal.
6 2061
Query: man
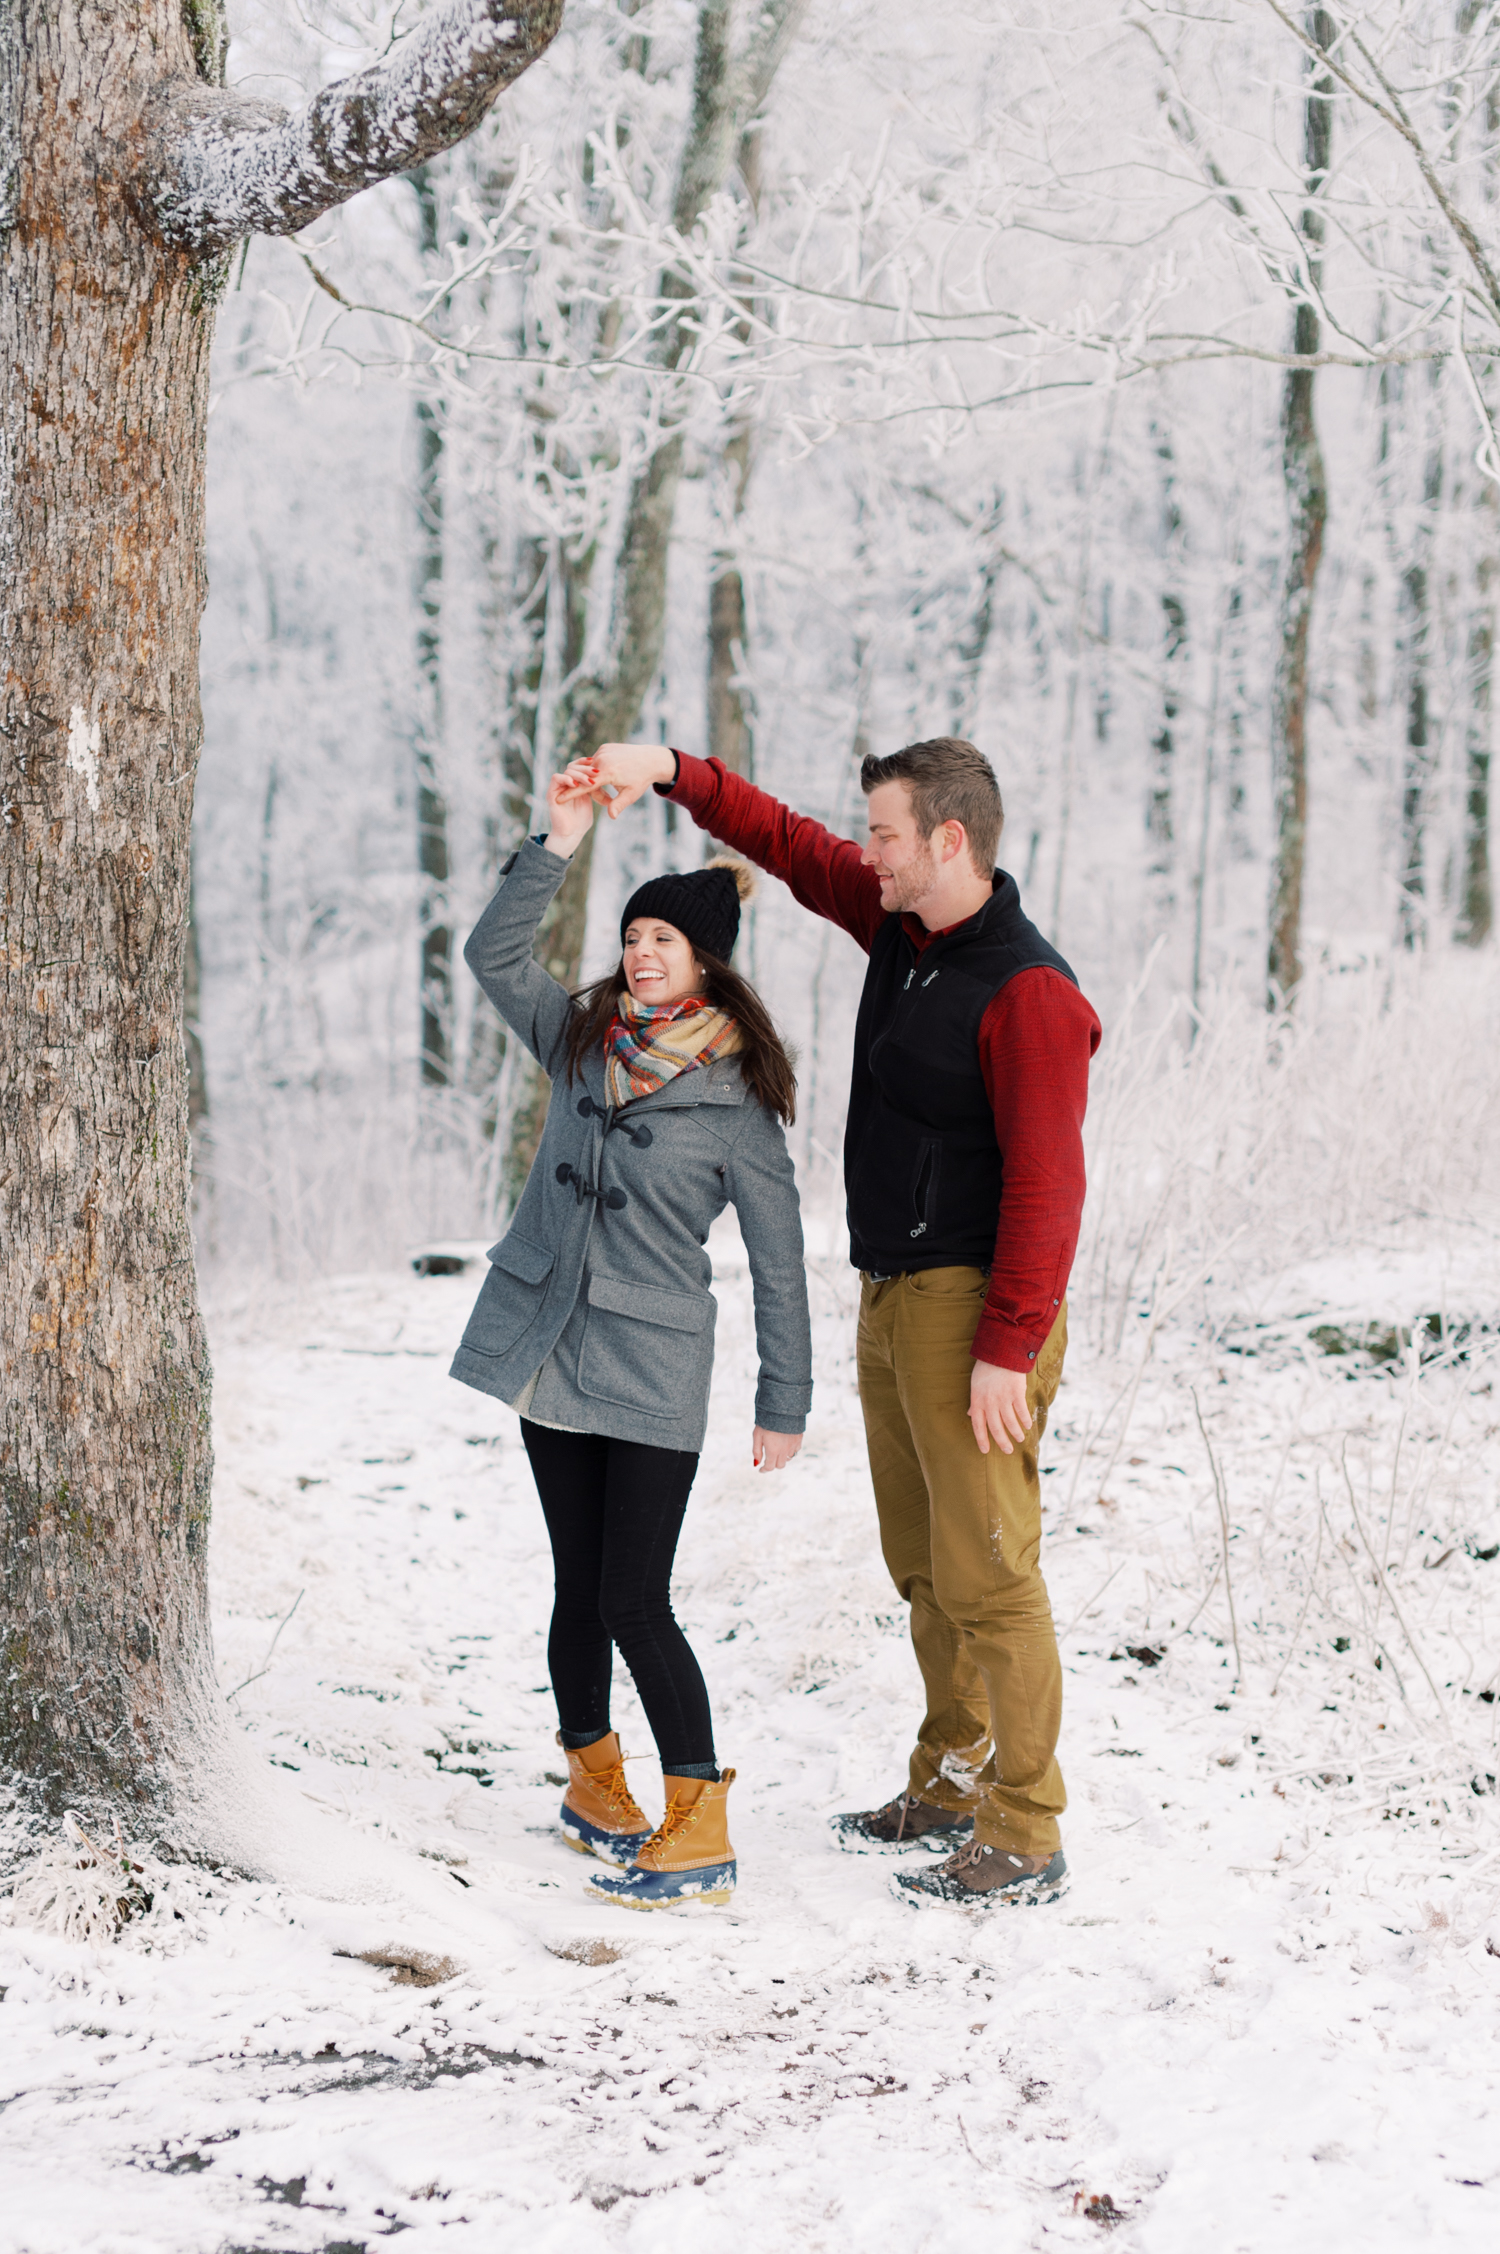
963 1164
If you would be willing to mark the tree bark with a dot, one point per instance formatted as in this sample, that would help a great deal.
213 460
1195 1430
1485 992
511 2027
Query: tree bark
192 1012
125 175
1307 497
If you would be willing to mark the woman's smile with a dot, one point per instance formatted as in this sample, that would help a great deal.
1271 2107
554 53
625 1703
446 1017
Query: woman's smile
660 965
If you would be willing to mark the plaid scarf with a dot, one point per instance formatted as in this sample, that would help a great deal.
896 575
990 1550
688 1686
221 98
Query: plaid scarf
646 1047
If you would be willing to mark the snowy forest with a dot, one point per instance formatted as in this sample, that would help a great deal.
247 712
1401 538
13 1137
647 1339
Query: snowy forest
786 380
1095 390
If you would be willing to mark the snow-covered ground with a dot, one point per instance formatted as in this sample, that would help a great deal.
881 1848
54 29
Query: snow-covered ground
1263 2017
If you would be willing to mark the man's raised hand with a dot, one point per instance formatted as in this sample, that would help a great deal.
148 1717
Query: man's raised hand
622 773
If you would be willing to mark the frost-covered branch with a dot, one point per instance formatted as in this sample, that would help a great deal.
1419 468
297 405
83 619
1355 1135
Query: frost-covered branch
220 166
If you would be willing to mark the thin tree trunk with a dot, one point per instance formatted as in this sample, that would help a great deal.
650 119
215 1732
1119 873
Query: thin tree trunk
1307 496
433 925
1477 909
128 173
1476 915
972 645
605 706
1161 820
1417 764
729 733
1236 830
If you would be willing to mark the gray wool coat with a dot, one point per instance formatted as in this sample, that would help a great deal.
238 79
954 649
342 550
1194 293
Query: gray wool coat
601 1282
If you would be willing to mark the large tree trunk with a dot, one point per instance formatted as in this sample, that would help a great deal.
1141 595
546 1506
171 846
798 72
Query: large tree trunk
1307 500
134 173
105 1666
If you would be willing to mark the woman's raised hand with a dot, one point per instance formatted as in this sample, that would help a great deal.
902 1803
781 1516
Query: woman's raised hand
773 1451
571 813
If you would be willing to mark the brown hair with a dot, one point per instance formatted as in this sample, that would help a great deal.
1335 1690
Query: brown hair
763 1060
950 781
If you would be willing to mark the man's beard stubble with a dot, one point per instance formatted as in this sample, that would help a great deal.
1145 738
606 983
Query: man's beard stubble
915 881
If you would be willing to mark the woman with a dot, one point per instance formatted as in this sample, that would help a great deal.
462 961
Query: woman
671 1092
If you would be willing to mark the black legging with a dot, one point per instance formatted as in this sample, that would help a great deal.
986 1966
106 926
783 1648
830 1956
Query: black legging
614 1511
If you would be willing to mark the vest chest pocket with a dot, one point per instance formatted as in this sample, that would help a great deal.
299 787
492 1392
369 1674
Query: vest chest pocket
645 1347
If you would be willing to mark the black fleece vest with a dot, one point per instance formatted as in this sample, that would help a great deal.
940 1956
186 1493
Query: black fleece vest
922 1167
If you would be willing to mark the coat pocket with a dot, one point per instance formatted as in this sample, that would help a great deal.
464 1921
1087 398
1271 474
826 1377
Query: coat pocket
647 1348
511 1298
518 1256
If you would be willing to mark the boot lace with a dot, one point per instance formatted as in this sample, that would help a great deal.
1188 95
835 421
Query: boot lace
610 1784
680 1817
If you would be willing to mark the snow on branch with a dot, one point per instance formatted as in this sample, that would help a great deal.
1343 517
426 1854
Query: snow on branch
220 166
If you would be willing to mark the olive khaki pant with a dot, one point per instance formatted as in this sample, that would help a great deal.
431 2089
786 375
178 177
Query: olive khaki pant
961 1533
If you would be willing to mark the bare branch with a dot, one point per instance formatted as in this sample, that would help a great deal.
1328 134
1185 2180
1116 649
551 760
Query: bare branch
1392 112
218 166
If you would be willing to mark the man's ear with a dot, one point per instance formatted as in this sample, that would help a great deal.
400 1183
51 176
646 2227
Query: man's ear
954 841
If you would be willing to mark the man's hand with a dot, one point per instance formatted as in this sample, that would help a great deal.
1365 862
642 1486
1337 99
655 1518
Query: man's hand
571 815
997 1407
619 774
773 1451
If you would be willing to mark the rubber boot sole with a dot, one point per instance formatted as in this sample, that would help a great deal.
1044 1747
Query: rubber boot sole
618 1848
942 1839
1025 1893
667 1890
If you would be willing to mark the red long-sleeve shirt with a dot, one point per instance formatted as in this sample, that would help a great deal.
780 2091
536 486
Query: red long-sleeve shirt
1035 1042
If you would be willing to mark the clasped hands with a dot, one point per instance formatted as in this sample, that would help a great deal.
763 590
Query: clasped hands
613 777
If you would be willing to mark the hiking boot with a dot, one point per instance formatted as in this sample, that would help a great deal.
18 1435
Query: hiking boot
905 1821
979 1875
599 1815
688 1857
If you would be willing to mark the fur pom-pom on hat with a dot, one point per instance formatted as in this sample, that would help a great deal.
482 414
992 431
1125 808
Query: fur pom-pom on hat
703 904
741 871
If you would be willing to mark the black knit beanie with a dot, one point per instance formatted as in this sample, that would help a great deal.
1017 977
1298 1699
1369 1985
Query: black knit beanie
703 904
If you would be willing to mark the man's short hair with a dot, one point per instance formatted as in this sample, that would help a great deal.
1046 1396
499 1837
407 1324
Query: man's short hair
950 781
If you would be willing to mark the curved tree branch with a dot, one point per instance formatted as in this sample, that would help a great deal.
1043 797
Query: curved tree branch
218 166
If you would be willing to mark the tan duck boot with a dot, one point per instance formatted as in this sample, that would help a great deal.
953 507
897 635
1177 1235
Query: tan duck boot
688 1857
599 1813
